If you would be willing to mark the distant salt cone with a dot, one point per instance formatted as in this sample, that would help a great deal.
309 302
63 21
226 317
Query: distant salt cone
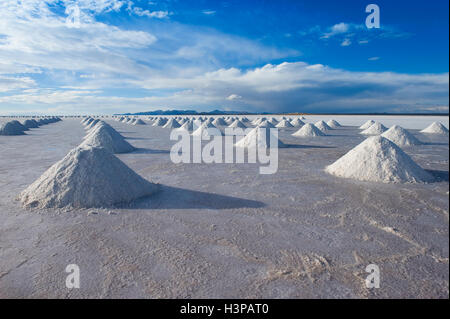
379 160
85 178
88 121
187 126
139 122
206 129
172 123
321 125
92 124
10 129
266 124
260 137
435 128
219 122
258 121
333 124
366 125
19 126
30 124
106 137
238 124
273 120
308 130
375 129
297 122
159 122
284 123
400 136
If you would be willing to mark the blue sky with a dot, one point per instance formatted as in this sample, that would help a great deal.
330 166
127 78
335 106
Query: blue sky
268 56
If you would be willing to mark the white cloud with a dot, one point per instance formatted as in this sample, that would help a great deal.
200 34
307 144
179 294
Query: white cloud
234 97
374 58
9 83
273 88
85 68
151 14
346 43
209 12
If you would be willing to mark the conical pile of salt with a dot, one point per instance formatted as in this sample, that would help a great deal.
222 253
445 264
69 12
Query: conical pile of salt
379 160
237 123
206 129
435 128
284 123
219 122
333 124
366 125
375 129
172 123
11 128
104 136
297 122
86 177
187 126
159 122
265 124
139 122
30 124
321 125
260 137
308 130
400 136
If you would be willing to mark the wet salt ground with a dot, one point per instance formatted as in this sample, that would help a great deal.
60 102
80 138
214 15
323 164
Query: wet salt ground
223 230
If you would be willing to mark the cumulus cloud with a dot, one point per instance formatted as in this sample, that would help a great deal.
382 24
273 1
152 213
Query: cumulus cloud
284 87
233 97
346 43
85 69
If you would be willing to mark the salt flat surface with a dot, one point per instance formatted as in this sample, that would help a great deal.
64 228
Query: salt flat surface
224 230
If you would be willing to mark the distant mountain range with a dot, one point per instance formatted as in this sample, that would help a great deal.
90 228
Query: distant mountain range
219 112
189 112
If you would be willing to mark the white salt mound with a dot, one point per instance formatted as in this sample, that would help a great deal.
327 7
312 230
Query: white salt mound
435 128
400 136
375 129
321 125
260 137
10 129
92 124
30 124
219 122
333 124
172 123
206 129
238 124
19 125
284 123
308 130
139 122
187 126
297 122
85 178
366 125
379 160
106 137
266 124
159 122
